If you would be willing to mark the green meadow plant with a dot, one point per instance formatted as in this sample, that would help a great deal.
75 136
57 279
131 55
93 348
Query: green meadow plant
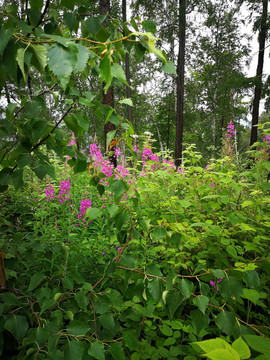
149 262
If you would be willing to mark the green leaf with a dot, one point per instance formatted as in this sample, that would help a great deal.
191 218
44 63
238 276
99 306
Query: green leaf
166 330
130 338
173 301
202 302
97 351
17 326
62 61
186 287
251 278
36 280
59 39
118 188
210 345
231 251
199 321
222 354
241 347
93 23
154 287
226 322
112 209
5 35
82 300
169 68
93 213
70 20
82 121
74 350
117 352
258 343
105 71
20 61
107 321
252 295
68 3
73 124
230 286
149 26
110 136
76 327
40 57
119 73
82 58
36 4
17 179
126 101
159 233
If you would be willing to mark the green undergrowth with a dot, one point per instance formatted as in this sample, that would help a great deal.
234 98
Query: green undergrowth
170 265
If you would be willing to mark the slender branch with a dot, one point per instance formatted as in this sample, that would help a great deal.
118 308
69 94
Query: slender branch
43 13
143 273
47 136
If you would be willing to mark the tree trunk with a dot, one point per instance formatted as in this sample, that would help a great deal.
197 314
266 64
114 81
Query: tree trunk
180 84
108 98
127 68
258 87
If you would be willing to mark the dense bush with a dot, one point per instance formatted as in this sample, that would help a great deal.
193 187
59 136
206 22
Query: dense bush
137 263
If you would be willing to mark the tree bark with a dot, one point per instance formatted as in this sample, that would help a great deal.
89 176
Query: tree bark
258 87
180 84
127 68
108 97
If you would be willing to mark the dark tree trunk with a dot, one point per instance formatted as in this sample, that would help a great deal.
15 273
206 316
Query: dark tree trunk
258 87
180 84
108 97
127 68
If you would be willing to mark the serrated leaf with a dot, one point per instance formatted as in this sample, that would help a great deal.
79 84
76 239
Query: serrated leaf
126 101
59 39
82 58
199 320
149 26
40 53
169 68
251 278
202 302
107 321
159 233
36 4
222 354
105 71
119 73
74 350
186 287
252 295
97 351
118 188
82 300
210 345
241 347
154 287
93 23
258 343
36 280
20 61
226 322
62 61
17 325
76 327
93 213
5 35
117 351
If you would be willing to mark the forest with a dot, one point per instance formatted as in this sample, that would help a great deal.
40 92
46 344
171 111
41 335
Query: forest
134 180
